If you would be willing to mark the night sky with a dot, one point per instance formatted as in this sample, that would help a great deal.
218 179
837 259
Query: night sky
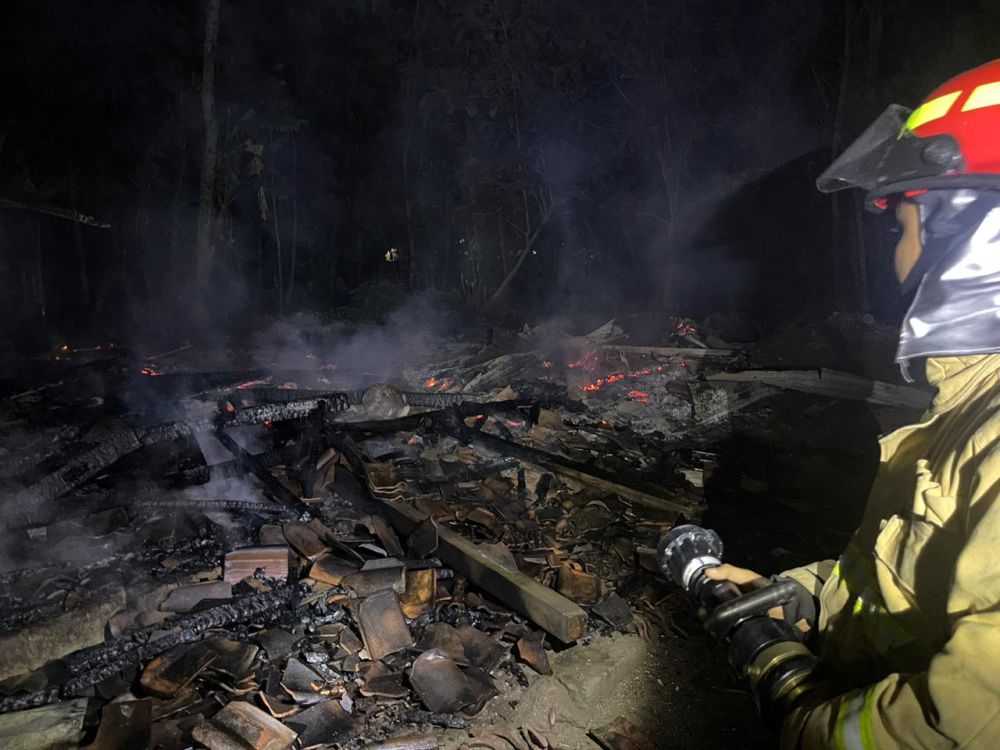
515 159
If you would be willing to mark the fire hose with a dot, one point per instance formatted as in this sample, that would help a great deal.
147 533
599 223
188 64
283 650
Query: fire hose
768 652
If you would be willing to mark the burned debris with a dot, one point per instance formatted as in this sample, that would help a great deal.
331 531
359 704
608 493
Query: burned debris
352 566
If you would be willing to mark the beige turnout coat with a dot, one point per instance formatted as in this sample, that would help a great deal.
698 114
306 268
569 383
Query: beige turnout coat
909 616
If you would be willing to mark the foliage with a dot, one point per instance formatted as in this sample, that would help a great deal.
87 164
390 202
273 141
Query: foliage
517 153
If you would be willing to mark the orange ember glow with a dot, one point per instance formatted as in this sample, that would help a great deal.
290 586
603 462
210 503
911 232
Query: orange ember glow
150 370
267 422
434 384
252 383
639 396
548 364
685 329
515 423
289 386
587 361
619 376
230 408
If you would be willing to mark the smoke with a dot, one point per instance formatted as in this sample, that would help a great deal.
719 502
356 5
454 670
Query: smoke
357 355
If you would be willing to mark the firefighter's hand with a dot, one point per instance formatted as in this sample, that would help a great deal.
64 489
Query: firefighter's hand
745 580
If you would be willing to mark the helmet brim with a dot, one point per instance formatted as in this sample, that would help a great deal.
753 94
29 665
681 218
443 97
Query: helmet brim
887 154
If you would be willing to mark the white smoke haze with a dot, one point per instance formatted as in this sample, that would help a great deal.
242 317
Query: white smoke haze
357 356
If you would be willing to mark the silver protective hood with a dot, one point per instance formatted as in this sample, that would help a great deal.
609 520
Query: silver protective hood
956 310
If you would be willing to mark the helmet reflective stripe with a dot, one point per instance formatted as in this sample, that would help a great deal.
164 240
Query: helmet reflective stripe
935 109
987 95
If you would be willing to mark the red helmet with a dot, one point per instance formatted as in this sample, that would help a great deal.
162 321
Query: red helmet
950 141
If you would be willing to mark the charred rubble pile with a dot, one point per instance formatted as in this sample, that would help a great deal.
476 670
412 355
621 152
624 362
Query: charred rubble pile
291 562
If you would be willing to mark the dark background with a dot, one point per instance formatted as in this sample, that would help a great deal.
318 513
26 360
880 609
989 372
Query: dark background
518 158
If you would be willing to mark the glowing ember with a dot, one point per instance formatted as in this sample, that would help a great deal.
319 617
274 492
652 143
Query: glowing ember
230 408
252 383
515 423
64 348
267 422
289 386
619 376
547 364
639 396
435 384
684 328
587 361
150 370
329 366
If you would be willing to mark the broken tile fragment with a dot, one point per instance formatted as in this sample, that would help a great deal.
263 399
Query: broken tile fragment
350 642
366 582
383 627
423 540
186 598
240 722
232 658
328 568
304 539
169 673
419 593
439 683
326 723
440 636
531 650
271 561
271 535
276 642
300 678
614 610
385 686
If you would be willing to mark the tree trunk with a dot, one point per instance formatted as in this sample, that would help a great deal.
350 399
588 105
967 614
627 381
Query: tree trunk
81 254
295 223
210 147
39 272
279 281
530 235
174 234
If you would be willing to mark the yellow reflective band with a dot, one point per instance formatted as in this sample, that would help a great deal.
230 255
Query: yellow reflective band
987 95
853 730
867 733
935 109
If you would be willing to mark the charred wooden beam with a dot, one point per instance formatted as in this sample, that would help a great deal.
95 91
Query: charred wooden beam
273 487
548 609
434 418
640 493
95 458
91 665
25 504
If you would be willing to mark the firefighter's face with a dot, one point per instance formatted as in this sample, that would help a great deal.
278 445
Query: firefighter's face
909 247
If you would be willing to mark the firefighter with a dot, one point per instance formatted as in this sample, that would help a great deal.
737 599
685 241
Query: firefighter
907 621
